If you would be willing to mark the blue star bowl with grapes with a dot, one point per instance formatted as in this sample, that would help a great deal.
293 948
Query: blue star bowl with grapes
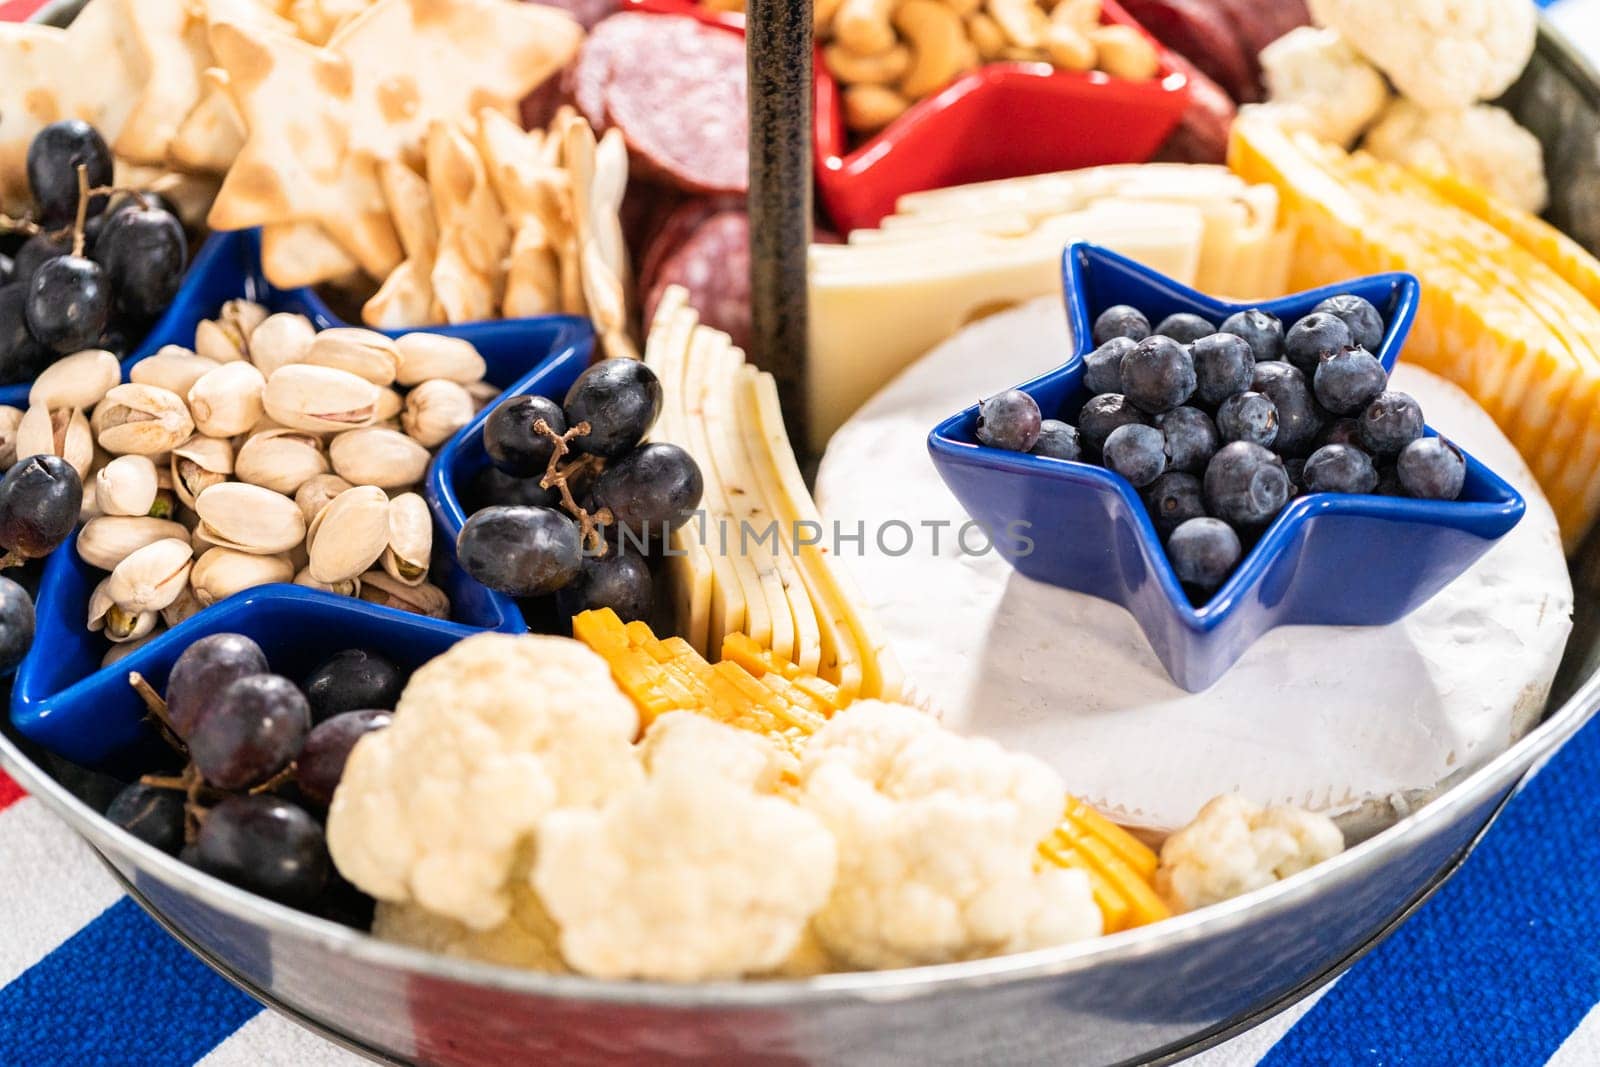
1327 559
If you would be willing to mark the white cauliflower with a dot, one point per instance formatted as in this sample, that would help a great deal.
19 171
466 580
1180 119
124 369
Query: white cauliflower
698 873
937 838
1481 144
486 739
1440 53
1319 84
1234 846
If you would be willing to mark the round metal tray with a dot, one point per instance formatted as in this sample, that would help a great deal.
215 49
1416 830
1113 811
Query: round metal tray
1144 995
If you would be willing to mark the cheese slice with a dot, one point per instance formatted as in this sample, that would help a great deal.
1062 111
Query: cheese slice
1360 722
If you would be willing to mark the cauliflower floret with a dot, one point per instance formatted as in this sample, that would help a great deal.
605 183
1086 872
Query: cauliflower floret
1440 53
486 739
1234 846
1481 144
700 872
1318 83
938 838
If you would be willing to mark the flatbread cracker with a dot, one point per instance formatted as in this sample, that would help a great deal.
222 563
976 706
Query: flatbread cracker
296 254
468 273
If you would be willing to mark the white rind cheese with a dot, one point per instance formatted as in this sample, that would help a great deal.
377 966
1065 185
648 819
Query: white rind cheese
1358 722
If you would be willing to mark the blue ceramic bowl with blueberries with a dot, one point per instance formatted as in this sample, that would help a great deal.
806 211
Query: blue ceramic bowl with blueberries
62 698
1322 540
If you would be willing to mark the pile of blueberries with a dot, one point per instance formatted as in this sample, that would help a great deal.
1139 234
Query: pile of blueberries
261 757
1219 427
134 251
520 538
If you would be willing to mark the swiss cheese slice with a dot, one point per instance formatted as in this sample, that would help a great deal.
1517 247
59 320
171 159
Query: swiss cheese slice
1359 722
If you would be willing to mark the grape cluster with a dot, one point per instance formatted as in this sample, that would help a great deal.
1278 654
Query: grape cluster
90 275
575 507
264 756
1219 426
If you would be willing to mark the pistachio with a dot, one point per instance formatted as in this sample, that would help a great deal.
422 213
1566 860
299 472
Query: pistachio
60 432
186 606
198 464
390 404
119 652
152 577
165 505
320 398
317 493
349 535
280 340
90 505
436 409
363 353
245 316
249 518
348 587
433 355
76 381
483 394
280 460
227 400
173 368
126 486
10 419
378 587
116 622
141 419
222 572
214 340
106 541
410 539
385 458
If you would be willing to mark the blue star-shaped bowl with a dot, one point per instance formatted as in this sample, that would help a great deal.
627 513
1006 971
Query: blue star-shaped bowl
65 701
1327 559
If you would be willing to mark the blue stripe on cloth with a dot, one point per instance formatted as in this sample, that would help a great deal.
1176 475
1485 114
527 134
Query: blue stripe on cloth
1502 965
120 991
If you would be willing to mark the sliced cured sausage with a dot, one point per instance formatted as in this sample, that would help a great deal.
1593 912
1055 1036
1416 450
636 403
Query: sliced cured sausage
714 265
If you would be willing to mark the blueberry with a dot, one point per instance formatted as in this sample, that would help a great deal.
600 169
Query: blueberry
1158 374
1389 481
1009 420
1261 331
1138 453
1245 484
1339 469
1249 417
1057 440
1345 431
1392 421
1223 364
1315 338
1348 380
1121 321
1172 499
1366 325
1184 327
1204 552
1298 419
1105 413
1431 468
1102 368
1191 439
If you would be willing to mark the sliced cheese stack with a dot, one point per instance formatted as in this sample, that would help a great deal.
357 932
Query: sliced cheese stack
751 562
756 689
949 256
1508 309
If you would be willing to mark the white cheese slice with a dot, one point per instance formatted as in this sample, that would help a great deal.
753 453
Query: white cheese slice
1360 722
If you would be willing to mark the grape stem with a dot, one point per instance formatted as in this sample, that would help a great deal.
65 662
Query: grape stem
158 711
282 778
557 476
83 209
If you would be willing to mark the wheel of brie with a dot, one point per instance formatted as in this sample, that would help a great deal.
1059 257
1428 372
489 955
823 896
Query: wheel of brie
1362 723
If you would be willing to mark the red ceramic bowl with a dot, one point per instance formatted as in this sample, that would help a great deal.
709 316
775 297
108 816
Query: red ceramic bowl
1000 121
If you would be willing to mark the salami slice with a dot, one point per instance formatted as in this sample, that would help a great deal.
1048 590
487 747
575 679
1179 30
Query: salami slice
714 265
675 228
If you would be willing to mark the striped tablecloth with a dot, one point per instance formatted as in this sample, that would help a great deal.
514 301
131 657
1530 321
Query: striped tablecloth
1502 967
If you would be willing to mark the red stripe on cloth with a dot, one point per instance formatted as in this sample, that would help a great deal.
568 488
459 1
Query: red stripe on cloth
10 792
19 10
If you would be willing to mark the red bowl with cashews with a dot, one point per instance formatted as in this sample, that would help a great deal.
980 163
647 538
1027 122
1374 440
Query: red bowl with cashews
1001 120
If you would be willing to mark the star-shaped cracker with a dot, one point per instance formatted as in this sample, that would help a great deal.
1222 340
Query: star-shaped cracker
319 120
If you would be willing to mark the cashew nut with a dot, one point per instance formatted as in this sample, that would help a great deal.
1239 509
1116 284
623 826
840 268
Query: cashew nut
1069 49
822 13
868 108
1014 54
1081 15
852 68
939 46
863 26
1125 52
1023 21
964 8
986 35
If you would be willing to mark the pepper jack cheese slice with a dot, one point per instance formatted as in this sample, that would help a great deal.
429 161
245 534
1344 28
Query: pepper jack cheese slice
1359 722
